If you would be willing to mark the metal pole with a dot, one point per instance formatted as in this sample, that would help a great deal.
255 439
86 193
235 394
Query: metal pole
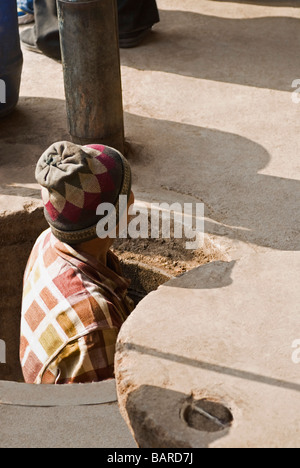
91 63
11 58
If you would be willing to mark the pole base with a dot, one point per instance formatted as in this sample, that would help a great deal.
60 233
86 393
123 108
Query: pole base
114 141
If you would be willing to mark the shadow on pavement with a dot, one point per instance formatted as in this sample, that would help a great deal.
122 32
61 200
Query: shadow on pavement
220 169
259 52
156 419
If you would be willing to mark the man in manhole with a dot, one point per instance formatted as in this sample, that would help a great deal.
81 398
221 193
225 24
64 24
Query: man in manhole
75 297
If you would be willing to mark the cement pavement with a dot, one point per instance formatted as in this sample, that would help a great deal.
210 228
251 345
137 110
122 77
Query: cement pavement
210 118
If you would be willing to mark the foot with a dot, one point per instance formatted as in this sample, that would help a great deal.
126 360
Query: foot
133 39
28 40
24 18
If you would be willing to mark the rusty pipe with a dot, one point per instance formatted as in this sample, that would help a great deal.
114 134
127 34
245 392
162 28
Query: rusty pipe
92 77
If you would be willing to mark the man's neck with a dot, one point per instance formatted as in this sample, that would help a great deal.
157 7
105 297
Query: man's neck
97 248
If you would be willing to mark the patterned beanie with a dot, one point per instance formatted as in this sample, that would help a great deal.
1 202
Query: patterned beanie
75 180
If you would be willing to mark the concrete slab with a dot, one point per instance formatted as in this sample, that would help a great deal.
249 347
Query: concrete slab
219 82
222 332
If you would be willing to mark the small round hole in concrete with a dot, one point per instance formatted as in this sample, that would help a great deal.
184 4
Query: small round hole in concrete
207 416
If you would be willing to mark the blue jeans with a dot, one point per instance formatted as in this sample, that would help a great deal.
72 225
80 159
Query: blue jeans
26 5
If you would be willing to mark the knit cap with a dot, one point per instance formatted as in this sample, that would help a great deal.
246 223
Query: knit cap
75 180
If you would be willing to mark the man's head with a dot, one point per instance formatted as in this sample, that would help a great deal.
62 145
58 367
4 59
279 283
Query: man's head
75 180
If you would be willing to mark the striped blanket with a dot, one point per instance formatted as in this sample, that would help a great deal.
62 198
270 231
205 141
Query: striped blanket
72 311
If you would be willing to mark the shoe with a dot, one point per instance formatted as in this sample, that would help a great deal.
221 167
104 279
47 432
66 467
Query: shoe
133 39
28 40
24 17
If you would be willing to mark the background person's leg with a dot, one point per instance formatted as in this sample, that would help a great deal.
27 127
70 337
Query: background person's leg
25 11
46 27
44 36
135 15
135 18
26 5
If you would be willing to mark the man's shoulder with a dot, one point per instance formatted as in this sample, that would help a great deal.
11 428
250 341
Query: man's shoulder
43 239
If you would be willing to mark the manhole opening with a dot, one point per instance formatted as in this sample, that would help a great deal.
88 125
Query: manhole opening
207 416
149 263
169 255
144 280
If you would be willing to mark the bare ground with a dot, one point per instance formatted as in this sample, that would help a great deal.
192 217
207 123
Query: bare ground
169 255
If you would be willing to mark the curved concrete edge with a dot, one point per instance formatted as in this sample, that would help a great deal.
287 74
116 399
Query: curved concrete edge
230 342
21 394
145 278
66 416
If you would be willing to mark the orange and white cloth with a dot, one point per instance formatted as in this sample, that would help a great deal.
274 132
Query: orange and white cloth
73 308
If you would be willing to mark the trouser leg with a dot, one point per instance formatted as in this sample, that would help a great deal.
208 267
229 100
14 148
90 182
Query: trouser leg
46 27
134 15
25 5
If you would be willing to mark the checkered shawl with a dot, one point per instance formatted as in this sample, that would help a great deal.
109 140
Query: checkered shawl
73 308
